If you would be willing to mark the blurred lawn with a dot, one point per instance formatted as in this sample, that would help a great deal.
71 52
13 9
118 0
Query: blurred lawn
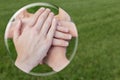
98 54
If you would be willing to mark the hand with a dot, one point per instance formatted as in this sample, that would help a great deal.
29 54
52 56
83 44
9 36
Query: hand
62 34
29 19
34 42
56 57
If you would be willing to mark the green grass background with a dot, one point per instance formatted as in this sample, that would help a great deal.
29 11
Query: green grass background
98 54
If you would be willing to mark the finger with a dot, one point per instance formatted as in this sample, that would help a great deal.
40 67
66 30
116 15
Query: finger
71 26
63 15
61 35
27 14
52 29
20 15
41 19
17 29
62 29
47 24
36 16
58 42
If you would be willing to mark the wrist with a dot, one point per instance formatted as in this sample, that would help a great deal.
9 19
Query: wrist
59 65
23 66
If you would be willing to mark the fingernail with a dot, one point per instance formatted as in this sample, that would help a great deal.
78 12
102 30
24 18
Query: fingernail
66 44
48 10
52 13
42 8
69 36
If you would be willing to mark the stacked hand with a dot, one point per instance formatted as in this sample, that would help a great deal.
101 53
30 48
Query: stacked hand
42 38
56 57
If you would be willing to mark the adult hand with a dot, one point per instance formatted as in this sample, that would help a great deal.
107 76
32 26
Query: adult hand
33 43
29 19
60 40
56 57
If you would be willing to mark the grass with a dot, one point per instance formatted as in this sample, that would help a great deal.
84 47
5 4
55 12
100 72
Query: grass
98 53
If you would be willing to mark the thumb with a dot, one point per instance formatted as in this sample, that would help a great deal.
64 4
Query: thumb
17 29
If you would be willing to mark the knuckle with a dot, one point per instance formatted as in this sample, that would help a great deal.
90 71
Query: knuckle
36 28
64 35
35 31
61 43
47 23
26 28
42 16
60 28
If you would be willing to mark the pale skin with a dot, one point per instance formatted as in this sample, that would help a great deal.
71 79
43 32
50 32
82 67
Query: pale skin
34 48
30 19
56 57
64 29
